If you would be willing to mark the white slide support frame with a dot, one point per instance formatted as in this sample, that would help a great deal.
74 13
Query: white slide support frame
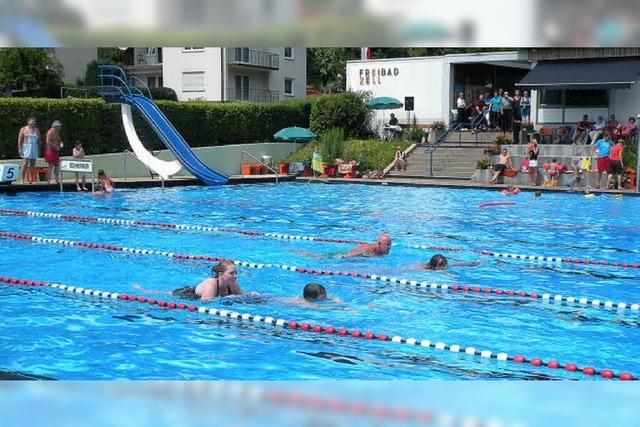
163 168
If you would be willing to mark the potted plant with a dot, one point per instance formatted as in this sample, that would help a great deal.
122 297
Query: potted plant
483 163
438 128
503 139
492 150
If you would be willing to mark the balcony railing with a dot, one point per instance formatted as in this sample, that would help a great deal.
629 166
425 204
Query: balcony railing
252 95
253 58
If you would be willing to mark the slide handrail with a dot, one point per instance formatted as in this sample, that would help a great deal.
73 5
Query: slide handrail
259 161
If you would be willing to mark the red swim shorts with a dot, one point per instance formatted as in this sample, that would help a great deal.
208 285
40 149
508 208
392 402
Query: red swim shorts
604 164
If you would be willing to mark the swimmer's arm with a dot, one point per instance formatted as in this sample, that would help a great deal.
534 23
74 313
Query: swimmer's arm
465 264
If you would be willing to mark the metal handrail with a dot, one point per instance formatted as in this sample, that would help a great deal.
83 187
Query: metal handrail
143 85
442 138
259 161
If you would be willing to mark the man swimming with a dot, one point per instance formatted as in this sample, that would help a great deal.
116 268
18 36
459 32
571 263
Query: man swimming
380 248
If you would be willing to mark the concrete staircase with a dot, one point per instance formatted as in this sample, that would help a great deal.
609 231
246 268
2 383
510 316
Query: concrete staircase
453 159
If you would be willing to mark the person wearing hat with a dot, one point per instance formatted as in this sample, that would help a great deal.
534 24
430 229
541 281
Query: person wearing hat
53 144
78 153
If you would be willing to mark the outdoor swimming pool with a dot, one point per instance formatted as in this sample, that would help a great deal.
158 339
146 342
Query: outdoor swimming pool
65 335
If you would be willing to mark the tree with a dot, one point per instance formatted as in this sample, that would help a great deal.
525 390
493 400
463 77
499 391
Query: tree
324 63
30 71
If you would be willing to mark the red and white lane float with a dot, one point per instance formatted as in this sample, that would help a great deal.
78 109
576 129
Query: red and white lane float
305 327
434 287
168 226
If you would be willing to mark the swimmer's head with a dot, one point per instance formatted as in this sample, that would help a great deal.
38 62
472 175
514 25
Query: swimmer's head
437 262
226 267
384 243
538 193
313 292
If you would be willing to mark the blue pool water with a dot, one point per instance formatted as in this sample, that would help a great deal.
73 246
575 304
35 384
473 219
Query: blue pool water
50 333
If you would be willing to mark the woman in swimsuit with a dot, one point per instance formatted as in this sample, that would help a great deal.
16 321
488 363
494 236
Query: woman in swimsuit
505 161
28 147
222 284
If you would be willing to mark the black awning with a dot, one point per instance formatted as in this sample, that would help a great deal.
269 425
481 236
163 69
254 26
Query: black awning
582 75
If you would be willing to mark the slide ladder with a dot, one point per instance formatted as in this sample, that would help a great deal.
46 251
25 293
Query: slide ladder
116 88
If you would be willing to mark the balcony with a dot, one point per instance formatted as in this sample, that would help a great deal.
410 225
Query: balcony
252 95
253 58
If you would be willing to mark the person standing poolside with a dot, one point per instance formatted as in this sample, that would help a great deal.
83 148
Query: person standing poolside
616 163
379 248
52 151
223 283
78 153
496 107
28 147
525 107
316 162
602 149
533 149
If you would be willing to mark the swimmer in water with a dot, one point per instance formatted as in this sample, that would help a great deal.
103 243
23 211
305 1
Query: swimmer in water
222 283
105 184
439 262
380 248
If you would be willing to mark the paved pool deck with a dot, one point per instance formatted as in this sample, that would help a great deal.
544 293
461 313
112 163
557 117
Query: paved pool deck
69 184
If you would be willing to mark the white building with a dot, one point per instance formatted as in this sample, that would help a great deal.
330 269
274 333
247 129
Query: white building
433 82
223 74
568 83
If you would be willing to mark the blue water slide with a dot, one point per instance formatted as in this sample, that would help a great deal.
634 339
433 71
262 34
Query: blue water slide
174 141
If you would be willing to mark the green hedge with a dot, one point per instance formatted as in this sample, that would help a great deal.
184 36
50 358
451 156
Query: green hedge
99 125
370 154
347 111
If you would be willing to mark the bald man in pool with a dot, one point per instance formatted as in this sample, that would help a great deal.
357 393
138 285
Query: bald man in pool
380 248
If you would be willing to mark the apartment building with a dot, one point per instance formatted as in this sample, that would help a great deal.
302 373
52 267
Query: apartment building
222 74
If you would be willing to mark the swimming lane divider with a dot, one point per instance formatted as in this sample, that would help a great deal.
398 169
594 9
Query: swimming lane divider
330 330
168 226
434 287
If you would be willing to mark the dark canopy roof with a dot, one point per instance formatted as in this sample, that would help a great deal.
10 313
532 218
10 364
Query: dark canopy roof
591 74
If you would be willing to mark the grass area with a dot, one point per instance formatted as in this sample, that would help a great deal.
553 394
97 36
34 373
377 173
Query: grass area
370 154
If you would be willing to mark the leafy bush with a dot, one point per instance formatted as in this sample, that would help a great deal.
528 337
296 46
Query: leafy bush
483 163
416 133
370 154
332 145
438 125
503 139
630 153
492 149
99 125
163 93
347 111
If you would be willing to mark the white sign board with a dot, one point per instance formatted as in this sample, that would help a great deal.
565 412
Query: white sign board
76 166
9 172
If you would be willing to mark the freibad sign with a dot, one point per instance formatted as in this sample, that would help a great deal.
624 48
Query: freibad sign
375 75
76 166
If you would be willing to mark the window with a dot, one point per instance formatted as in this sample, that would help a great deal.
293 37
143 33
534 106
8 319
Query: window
193 81
241 54
587 98
159 55
192 49
550 98
242 88
288 53
288 87
151 81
